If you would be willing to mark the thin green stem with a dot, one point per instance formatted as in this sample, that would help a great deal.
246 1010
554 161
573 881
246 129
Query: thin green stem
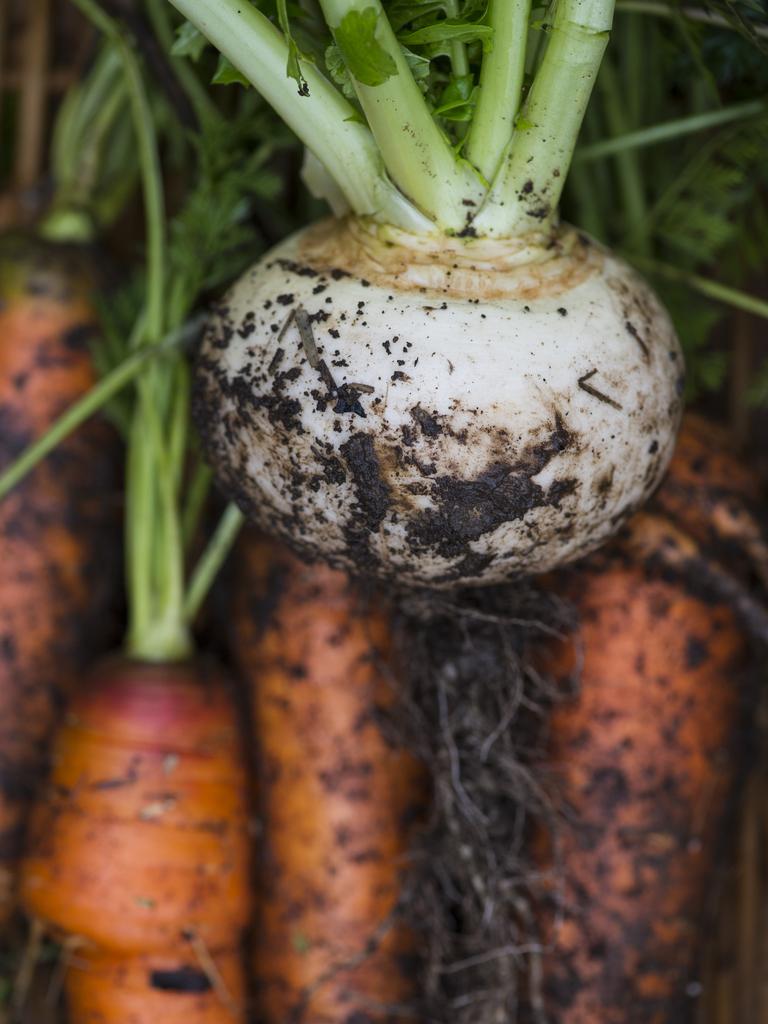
197 94
527 189
501 83
632 45
157 629
592 186
590 217
672 11
705 286
155 568
418 157
630 175
196 494
171 583
81 106
76 202
140 522
324 121
459 61
212 559
670 131
85 126
179 424
149 162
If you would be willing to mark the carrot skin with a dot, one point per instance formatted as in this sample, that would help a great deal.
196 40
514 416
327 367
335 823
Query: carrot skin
59 530
143 834
140 853
716 499
647 758
160 988
337 800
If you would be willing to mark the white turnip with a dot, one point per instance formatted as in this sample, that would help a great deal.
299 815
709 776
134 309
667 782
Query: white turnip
443 385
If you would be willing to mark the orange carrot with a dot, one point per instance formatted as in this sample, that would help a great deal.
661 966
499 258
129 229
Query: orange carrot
715 498
161 988
647 757
140 849
336 798
59 541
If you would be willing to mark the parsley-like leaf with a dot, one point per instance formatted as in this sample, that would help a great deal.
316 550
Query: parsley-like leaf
189 42
227 74
448 31
338 71
365 57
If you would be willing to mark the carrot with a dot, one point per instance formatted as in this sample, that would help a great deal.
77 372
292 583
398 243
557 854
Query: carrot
163 988
139 854
715 498
647 757
336 798
59 548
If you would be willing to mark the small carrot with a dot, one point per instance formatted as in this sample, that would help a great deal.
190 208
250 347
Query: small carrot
59 540
647 757
337 799
139 855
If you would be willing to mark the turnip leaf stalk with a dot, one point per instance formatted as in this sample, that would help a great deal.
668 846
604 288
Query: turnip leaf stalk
500 87
530 181
445 385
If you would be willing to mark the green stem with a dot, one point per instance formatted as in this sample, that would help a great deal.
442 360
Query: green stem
671 130
419 158
204 107
590 216
157 630
75 207
630 176
662 10
459 61
705 286
179 425
501 83
171 581
526 191
139 526
632 44
85 126
149 162
212 560
324 121
197 492
80 106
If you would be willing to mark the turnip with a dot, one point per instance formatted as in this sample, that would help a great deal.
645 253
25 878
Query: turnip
442 384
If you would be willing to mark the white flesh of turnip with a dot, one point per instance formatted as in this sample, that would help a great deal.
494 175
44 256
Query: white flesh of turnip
474 409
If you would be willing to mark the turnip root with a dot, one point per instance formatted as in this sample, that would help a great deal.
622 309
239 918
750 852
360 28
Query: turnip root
440 412
443 386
